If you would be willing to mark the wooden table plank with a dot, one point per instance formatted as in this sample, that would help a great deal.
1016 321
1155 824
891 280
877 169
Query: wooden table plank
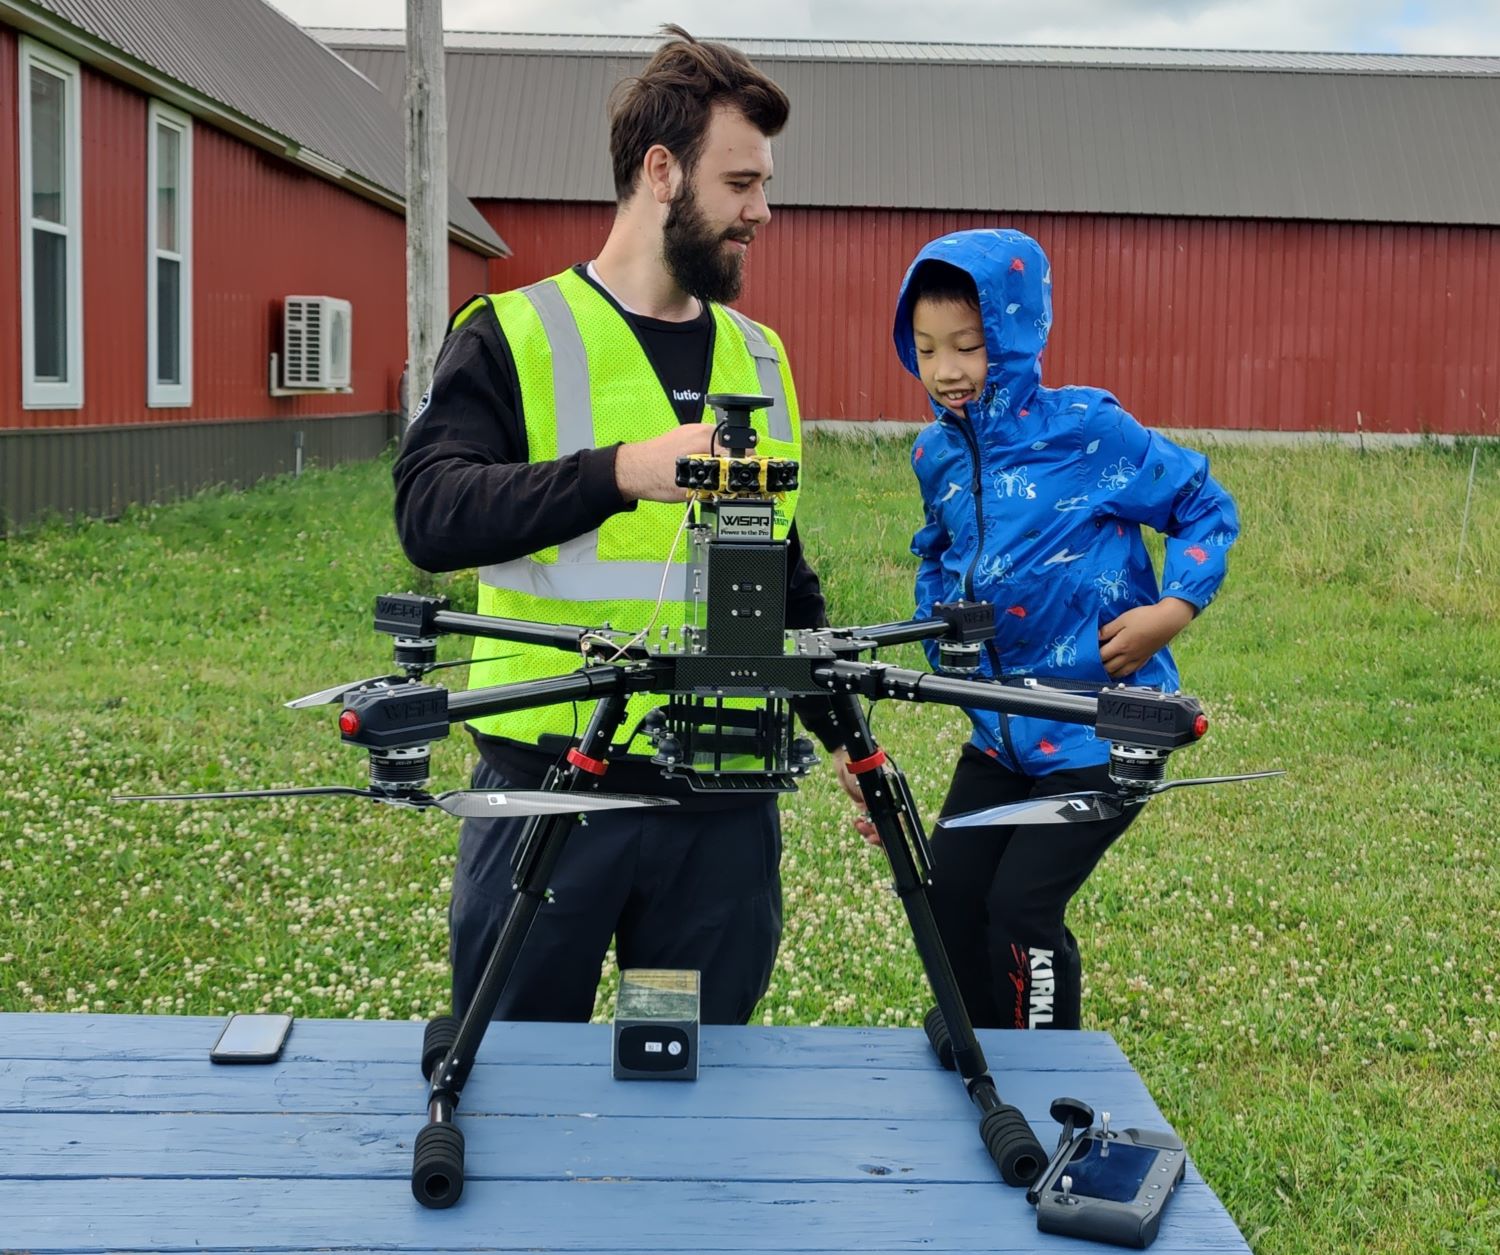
63 1037
541 1090
44 1217
78 1147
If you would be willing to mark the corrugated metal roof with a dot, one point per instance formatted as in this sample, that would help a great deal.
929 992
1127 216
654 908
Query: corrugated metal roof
913 51
1347 137
253 62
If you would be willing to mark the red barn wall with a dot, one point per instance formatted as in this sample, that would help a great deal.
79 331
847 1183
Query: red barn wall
1246 324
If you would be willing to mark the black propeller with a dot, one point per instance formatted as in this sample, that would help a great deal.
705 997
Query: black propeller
465 803
1085 807
337 692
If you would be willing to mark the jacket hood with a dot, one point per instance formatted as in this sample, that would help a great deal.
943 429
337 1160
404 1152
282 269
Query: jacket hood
1014 281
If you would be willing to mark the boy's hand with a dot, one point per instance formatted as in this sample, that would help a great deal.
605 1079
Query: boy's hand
850 783
1127 643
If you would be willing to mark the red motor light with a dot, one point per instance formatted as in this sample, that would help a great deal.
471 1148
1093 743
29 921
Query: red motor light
349 722
1200 725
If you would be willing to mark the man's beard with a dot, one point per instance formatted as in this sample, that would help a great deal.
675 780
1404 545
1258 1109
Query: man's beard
695 253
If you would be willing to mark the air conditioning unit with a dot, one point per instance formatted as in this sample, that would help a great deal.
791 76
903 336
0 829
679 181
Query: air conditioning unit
315 339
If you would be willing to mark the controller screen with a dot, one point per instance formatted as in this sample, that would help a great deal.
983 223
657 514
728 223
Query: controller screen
1108 1170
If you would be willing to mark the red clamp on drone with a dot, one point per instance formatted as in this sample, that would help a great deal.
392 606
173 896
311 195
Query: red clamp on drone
594 766
863 765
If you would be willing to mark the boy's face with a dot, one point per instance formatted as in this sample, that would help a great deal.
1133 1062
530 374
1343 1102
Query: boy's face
951 358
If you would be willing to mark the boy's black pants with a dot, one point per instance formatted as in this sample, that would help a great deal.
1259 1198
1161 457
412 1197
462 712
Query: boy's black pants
1000 895
680 889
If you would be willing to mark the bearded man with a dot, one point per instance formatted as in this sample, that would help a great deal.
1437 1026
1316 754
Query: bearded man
545 455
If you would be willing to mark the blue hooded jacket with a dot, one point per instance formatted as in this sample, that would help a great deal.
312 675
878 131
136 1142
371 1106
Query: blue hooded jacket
1034 501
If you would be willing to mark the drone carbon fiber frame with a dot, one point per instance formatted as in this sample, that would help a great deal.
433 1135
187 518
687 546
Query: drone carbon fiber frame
735 647
824 661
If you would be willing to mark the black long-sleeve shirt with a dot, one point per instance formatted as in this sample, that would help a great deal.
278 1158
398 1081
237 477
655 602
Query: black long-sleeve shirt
467 494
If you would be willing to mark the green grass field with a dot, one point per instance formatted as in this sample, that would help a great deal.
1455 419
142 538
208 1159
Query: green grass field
1303 970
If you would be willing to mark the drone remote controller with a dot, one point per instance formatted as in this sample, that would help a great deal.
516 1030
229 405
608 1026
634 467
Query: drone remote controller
1108 1185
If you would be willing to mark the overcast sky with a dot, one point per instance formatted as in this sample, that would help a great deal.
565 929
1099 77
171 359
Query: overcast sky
1433 26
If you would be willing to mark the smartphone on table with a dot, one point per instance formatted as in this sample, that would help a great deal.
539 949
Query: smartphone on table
251 1039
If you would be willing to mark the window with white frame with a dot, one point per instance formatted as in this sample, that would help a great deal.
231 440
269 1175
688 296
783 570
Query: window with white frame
51 231
169 257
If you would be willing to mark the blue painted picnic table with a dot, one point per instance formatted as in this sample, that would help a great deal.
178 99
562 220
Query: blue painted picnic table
117 1134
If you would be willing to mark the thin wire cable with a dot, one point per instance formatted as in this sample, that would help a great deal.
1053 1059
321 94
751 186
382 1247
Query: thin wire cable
661 591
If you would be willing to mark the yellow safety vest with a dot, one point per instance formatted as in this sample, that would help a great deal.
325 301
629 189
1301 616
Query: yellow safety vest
586 383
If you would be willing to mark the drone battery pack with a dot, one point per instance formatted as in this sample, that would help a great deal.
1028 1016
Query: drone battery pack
1116 1188
656 1025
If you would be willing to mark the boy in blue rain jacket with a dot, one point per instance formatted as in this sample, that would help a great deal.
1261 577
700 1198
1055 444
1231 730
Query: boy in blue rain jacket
1034 499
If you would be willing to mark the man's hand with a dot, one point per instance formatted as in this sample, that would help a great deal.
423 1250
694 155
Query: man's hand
1127 642
646 470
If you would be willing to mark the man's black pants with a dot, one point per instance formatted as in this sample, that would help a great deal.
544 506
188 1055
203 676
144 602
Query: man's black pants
690 890
1000 895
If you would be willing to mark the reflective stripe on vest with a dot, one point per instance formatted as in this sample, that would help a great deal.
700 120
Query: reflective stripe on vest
585 382
768 373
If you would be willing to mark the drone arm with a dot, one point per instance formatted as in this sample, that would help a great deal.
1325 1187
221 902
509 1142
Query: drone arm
983 695
411 616
1142 718
882 635
963 622
877 682
565 636
585 684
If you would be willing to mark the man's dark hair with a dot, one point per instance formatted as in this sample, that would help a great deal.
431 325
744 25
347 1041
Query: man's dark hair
940 281
671 100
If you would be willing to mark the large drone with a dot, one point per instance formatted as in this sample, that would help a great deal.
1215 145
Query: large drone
733 646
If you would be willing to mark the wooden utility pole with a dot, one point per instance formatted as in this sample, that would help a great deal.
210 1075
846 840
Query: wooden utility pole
426 196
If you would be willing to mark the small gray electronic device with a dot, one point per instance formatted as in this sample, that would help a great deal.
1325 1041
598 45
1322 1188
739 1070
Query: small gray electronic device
656 1026
251 1039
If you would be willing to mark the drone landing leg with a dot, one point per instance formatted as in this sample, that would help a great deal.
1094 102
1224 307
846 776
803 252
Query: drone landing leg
437 1177
1007 1136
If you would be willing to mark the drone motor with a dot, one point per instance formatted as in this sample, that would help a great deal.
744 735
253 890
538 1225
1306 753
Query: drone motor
415 654
959 658
1136 769
400 770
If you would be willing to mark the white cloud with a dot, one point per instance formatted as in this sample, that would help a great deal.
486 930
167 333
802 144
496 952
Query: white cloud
1474 35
